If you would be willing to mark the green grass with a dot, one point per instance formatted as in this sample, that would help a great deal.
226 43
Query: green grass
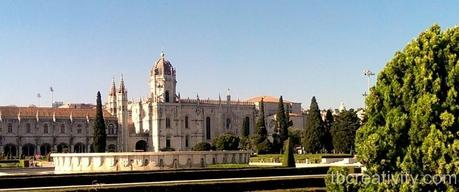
233 166
298 157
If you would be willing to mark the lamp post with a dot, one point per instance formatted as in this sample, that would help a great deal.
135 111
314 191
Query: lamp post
367 73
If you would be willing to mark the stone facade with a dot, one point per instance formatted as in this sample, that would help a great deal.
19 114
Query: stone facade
26 131
160 121
165 121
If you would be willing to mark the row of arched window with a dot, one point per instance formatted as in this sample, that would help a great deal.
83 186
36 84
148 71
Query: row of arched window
62 128
246 125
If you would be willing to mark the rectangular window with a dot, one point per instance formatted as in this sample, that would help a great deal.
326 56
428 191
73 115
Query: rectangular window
168 142
10 128
45 129
186 122
168 123
187 141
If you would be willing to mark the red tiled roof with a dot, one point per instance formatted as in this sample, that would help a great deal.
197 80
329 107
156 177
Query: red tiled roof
266 99
47 112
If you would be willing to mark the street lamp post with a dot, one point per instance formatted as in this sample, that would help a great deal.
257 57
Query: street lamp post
367 73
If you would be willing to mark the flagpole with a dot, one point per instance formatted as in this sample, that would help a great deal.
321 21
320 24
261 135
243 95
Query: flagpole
52 95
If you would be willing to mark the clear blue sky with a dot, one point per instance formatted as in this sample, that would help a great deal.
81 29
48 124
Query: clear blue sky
297 49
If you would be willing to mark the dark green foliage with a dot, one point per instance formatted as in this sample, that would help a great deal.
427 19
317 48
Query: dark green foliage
277 144
203 146
167 149
100 136
289 158
260 140
262 147
282 121
412 114
282 124
245 143
327 139
343 131
226 141
314 129
295 135
339 180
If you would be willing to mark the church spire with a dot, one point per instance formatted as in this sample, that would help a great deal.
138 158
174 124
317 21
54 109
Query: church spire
122 88
113 88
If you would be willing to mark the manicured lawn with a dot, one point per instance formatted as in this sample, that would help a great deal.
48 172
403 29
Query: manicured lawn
298 157
234 166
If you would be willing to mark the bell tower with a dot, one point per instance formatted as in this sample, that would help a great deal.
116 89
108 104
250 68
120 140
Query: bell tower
163 81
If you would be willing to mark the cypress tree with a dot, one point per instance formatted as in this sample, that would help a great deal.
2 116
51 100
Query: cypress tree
100 136
328 122
261 141
288 159
313 133
282 121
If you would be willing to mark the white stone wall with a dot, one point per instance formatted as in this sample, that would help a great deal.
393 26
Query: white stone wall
137 161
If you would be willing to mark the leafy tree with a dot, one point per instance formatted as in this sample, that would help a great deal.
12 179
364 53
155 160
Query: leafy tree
260 140
327 139
412 114
314 131
289 158
295 135
343 131
100 136
226 141
203 146
245 144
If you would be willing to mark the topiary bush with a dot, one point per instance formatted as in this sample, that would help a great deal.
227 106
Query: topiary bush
226 141
203 146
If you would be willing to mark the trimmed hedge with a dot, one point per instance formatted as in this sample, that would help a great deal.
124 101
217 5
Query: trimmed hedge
149 176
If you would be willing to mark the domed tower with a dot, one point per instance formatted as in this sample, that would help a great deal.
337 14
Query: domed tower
163 81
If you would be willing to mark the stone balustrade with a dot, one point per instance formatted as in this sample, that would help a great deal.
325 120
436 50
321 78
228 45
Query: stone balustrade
139 161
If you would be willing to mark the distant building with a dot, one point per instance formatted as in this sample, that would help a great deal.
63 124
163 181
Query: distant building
160 121
40 130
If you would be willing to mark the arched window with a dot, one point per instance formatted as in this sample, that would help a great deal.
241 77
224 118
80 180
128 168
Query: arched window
166 97
168 123
45 128
228 123
187 141
168 142
207 127
28 130
186 121
246 126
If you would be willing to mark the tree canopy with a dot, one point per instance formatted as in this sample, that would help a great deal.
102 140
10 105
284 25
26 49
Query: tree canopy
412 114
343 131
260 140
100 135
314 131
